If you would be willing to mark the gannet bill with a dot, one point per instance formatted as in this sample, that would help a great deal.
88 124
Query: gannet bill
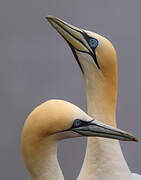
51 122
96 57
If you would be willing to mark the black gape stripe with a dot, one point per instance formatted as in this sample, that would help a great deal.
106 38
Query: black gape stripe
95 59
87 38
75 55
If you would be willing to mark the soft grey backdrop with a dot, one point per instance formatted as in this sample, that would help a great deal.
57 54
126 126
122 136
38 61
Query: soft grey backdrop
37 65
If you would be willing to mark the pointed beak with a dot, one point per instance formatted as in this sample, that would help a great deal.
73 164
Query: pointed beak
77 39
98 129
73 35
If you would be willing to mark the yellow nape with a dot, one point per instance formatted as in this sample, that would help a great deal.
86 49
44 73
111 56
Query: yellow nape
50 117
41 134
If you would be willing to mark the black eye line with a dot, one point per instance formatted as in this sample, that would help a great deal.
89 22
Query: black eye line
85 123
87 38
82 123
93 49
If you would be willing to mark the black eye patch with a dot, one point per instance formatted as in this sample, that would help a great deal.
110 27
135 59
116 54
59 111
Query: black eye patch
80 123
93 43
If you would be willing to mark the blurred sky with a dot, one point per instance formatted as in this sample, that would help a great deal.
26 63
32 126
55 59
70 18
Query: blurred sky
36 64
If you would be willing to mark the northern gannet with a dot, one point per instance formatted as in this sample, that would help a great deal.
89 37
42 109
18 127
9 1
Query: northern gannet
51 122
97 60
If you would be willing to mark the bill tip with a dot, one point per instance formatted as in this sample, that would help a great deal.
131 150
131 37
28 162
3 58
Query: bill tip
133 138
49 17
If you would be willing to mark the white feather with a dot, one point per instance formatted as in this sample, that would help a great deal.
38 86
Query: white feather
136 176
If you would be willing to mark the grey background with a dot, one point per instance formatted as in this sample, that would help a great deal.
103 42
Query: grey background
37 65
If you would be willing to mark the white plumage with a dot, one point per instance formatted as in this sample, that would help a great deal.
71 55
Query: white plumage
97 60
136 176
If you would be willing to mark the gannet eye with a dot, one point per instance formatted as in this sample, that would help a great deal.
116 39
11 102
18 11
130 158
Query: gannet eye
93 42
78 123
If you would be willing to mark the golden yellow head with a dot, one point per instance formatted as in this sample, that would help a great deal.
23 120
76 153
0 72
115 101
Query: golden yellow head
52 117
91 50
56 117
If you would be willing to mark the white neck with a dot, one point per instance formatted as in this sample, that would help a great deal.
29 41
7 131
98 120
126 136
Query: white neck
104 159
43 164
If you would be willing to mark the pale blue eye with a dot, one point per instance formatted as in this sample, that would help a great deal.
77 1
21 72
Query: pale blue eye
93 43
77 123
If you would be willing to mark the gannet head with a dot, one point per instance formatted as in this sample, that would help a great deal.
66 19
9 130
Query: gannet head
92 51
97 60
65 120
